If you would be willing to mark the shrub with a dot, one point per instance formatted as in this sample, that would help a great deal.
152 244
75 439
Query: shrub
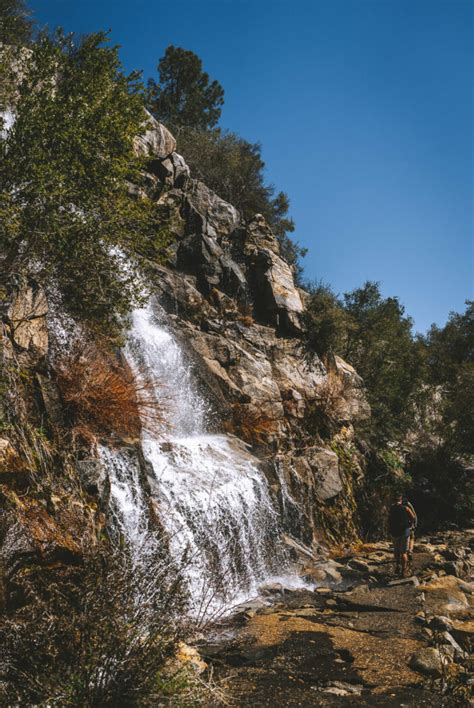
250 425
323 410
99 640
102 395
67 215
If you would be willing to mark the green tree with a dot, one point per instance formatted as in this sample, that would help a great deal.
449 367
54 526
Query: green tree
185 95
15 22
66 215
327 323
375 336
449 353
380 345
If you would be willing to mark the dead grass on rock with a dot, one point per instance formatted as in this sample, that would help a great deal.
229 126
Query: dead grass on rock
102 396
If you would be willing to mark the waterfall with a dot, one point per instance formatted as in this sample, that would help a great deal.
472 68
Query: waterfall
212 497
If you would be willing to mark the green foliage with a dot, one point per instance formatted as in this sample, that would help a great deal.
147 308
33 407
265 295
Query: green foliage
66 215
326 321
421 391
449 361
15 23
234 169
185 95
374 335
443 487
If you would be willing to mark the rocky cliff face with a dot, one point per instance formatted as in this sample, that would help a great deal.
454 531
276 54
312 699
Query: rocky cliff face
233 302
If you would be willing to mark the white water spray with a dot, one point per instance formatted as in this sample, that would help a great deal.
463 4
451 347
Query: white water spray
213 498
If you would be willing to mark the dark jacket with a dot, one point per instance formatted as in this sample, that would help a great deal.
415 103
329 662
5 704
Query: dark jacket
399 520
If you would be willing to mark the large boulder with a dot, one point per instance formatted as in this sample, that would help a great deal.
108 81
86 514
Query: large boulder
215 217
156 141
276 298
324 466
352 404
94 478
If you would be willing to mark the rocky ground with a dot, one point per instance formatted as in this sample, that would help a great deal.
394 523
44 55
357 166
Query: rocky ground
361 637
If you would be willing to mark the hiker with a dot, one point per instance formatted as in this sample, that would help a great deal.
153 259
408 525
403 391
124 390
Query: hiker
413 525
400 519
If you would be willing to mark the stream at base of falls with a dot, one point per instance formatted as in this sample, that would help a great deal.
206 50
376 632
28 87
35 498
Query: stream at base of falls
210 493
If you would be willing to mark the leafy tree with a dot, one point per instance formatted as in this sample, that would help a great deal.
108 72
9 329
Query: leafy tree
234 168
449 353
185 94
375 336
15 22
66 216
326 320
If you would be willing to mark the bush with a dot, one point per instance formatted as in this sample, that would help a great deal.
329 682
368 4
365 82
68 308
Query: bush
67 217
101 393
99 640
250 425
322 417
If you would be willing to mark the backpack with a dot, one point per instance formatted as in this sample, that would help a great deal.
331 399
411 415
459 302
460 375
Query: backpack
398 521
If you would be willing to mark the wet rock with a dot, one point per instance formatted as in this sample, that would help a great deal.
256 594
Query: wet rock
428 661
94 477
51 399
299 548
271 589
317 575
333 574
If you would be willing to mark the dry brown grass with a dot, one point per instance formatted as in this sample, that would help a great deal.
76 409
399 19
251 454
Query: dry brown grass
252 426
103 397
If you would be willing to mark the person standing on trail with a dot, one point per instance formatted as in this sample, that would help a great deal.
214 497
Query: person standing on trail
400 519
413 525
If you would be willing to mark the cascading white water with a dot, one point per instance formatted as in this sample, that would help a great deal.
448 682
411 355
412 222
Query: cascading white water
127 499
212 497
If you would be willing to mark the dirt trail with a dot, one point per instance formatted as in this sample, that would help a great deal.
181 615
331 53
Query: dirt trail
365 640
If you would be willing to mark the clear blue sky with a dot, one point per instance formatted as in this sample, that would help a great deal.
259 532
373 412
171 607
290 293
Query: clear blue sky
365 112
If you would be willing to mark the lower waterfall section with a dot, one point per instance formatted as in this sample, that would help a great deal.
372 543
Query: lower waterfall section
210 493
215 504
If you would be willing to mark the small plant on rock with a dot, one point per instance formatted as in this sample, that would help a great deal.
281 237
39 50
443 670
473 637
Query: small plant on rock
101 393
